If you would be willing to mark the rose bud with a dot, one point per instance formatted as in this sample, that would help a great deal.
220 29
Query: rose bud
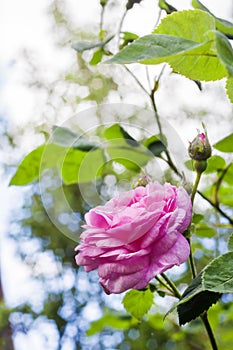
199 148
142 181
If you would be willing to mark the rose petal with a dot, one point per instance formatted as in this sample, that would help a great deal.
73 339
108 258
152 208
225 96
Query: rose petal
135 236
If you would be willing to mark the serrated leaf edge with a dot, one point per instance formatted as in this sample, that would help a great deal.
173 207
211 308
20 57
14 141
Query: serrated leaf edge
204 271
179 13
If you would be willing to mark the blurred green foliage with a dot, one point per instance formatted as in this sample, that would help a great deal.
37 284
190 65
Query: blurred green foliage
49 225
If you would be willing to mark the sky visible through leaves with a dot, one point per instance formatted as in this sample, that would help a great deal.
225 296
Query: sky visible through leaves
30 32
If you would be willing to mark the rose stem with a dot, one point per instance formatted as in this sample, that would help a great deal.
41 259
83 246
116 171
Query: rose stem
191 259
209 330
204 316
164 284
195 186
172 285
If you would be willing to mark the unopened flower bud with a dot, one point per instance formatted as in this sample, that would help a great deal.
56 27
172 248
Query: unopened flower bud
103 2
142 181
199 148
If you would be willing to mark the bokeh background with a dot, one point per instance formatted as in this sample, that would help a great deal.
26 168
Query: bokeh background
46 300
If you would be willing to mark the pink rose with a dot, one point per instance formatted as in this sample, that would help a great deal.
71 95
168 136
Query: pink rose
135 236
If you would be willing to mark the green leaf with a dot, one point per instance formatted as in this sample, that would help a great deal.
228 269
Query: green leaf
64 136
41 158
130 157
215 163
69 166
194 25
203 230
228 178
138 303
222 25
194 288
115 320
127 38
229 88
124 149
67 138
92 166
97 57
181 41
214 280
198 5
78 166
195 300
154 49
230 243
117 132
225 145
224 51
218 275
196 306
155 145
189 164
81 46
225 195
188 24
197 218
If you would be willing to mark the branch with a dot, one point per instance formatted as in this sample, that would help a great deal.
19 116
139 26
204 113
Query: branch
137 80
152 99
120 26
216 207
218 184
209 331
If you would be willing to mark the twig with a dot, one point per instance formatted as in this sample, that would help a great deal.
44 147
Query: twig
164 284
216 207
172 285
158 18
120 26
218 184
101 21
169 160
148 77
152 99
191 260
209 331
137 80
